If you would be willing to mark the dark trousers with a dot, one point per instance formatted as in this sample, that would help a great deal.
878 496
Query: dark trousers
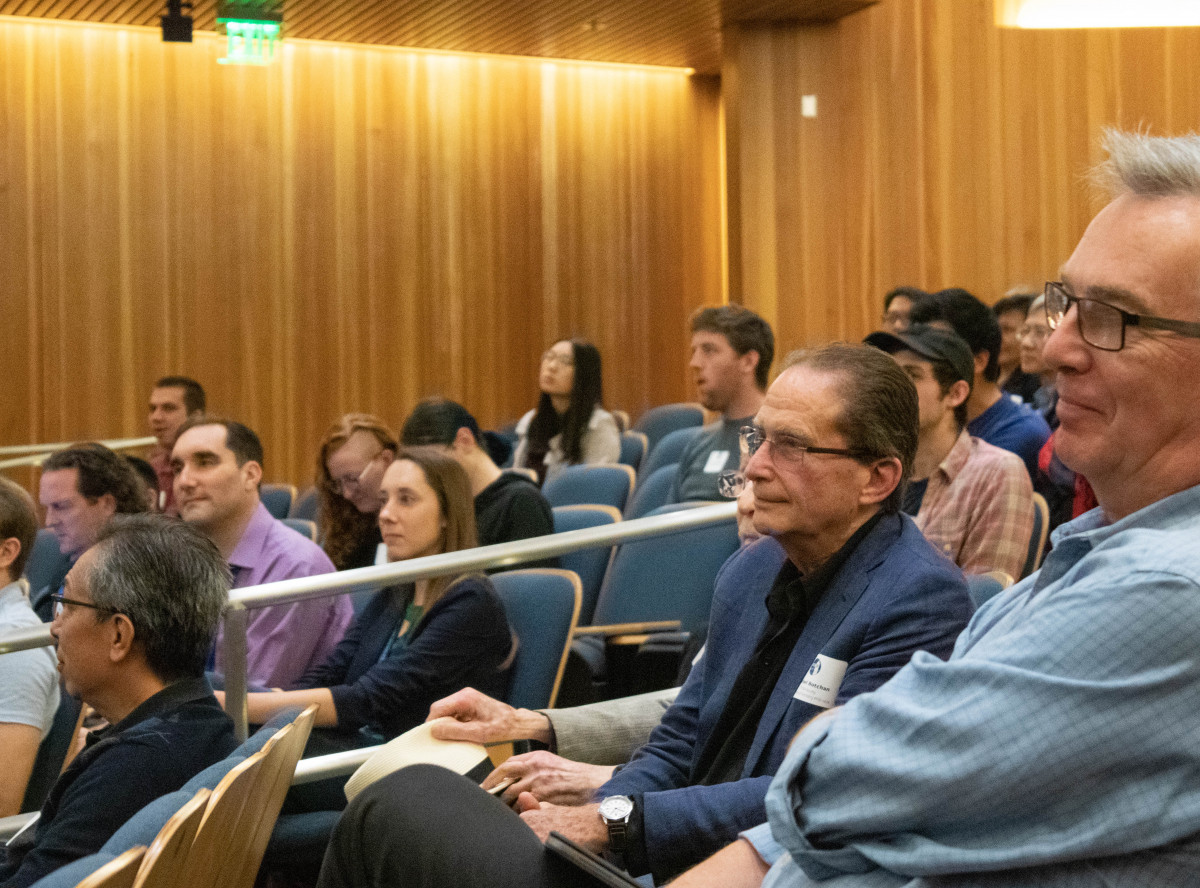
426 827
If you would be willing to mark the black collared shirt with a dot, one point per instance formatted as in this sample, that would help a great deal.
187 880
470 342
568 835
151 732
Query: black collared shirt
790 602
169 738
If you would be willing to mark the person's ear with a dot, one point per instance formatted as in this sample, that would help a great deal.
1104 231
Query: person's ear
10 549
252 472
120 638
108 502
885 475
464 440
958 393
749 361
981 361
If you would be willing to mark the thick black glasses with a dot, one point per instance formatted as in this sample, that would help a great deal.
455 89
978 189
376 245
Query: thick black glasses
60 600
787 448
1102 325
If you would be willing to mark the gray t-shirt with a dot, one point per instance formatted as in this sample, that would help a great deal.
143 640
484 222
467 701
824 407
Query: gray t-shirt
713 451
28 679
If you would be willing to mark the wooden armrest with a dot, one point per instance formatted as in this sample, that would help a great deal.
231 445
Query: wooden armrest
629 628
628 640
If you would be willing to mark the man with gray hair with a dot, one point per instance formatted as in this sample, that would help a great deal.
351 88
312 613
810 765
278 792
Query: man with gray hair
1057 746
133 648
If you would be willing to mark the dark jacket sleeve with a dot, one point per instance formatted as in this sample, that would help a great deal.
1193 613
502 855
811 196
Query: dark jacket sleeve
461 642
337 665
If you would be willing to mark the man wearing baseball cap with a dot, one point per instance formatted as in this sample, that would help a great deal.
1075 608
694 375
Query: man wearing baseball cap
973 501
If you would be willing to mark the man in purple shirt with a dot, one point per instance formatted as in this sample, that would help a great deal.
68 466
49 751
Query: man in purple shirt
218 467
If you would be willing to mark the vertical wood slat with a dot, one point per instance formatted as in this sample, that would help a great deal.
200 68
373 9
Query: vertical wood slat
349 229
946 152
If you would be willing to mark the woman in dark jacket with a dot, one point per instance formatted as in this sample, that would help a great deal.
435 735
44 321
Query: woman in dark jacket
414 643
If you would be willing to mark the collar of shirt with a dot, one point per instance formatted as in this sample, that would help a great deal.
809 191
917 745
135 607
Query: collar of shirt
957 457
183 691
11 592
792 594
248 551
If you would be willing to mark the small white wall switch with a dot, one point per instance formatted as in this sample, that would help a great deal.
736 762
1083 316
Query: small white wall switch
808 106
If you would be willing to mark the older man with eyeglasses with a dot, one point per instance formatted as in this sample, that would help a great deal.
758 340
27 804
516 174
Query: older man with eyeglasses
1057 746
832 604
132 647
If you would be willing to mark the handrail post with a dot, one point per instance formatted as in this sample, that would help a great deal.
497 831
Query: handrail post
237 622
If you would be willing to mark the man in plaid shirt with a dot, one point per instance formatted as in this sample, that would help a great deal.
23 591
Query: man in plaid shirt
973 501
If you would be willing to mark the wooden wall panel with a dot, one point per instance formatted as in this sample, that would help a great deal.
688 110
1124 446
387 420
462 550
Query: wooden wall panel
349 229
946 152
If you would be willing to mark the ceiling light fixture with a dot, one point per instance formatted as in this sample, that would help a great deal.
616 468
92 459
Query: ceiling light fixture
1097 13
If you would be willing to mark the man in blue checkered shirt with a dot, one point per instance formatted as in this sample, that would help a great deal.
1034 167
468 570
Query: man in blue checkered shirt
1060 744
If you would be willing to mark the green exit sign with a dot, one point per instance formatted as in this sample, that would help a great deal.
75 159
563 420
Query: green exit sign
250 42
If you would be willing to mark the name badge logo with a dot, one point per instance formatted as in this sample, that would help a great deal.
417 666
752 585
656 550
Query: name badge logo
821 685
716 461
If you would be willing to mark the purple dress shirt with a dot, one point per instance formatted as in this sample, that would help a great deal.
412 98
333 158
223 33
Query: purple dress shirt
285 641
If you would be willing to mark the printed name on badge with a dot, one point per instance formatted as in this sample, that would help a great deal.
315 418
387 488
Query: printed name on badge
716 461
822 682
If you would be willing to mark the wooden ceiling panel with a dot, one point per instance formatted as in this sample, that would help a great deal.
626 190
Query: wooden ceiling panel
680 33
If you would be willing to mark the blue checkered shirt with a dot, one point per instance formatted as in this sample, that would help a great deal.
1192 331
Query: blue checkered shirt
1059 745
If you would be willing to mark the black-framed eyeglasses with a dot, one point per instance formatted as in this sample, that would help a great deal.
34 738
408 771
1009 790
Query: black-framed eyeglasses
59 600
787 448
1102 325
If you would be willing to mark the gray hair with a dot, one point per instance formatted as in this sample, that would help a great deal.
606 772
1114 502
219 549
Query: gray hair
879 416
172 584
1149 166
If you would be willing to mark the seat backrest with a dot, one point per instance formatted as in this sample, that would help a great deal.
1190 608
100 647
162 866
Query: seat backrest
226 830
306 529
1037 539
304 506
591 564
660 421
120 872
666 577
52 753
653 491
277 498
542 605
603 485
166 859
633 449
669 449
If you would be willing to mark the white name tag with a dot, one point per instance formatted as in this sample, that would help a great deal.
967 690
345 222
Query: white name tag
716 462
820 686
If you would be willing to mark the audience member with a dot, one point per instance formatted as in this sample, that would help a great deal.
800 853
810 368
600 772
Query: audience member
81 488
569 426
149 479
508 506
897 305
173 401
1010 314
132 646
354 454
991 417
28 680
218 466
1057 746
732 350
831 606
415 643
1033 336
973 501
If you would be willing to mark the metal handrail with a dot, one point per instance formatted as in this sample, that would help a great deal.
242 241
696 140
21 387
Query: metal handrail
35 454
241 601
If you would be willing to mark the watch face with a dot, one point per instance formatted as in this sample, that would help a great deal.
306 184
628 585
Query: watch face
616 807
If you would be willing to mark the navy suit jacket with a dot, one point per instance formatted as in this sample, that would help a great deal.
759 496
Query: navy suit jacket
894 595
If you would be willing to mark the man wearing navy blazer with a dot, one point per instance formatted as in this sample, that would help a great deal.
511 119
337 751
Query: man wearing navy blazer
831 605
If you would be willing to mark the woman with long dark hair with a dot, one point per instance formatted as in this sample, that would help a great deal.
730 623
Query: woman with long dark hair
354 454
414 643
569 426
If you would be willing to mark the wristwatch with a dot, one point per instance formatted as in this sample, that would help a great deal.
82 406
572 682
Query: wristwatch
615 811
